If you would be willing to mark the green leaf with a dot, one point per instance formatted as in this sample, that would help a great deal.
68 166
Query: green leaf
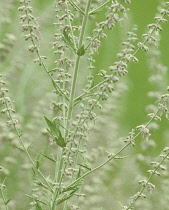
49 158
74 187
79 173
54 85
77 100
95 13
81 51
38 159
22 150
48 179
121 157
29 145
86 162
61 200
76 7
53 129
20 133
36 199
43 185
84 166
38 207
68 41
60 140
7 201
55 133
57 106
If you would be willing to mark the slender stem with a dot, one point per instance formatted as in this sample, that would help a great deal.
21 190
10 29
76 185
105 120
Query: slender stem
125 146
4 200
78 147
76 155
100 31
76 7
144 186
101 6
70 108
73 88
57 88
72 94
24 148
114 156
138 49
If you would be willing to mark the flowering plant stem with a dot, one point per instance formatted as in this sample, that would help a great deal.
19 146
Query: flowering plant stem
115 155
77 99
19 134
72 95
145 185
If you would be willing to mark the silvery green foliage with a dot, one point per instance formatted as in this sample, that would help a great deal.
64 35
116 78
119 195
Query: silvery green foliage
71 147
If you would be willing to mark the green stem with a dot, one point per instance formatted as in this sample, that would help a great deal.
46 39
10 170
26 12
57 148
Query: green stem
75 6
143 188
78 99
114 156
55 85
25 149
4 200
98 8
72 94
73 88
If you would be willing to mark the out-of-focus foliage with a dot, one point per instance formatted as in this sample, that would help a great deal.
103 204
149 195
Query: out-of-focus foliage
28 85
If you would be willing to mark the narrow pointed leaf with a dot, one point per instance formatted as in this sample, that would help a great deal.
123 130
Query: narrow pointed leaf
68 41
60 140
7 201
43 185
38 207
49 158
57 106
76 7
67 197
22 150
74 186
53 130
38 159
86 162
84 166
55 133
36 199
79 173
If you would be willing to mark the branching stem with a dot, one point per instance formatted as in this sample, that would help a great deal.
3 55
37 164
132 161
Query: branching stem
72 93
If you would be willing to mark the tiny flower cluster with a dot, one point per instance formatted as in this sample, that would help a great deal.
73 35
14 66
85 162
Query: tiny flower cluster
112 18
29 25
145 183
154 28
